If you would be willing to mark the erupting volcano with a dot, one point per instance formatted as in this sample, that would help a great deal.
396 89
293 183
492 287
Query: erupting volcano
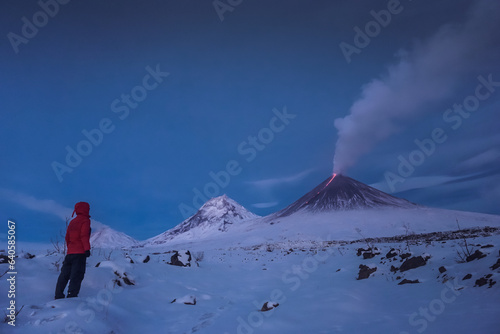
339 192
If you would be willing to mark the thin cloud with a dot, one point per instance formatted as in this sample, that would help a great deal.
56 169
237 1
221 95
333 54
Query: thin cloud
418 183
47 206
481 160
273 182
40 205
265 205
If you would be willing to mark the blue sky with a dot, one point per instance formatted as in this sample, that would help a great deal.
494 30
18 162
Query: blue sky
252 99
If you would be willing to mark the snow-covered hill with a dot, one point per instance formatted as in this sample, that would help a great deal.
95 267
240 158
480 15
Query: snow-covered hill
106 237
215 216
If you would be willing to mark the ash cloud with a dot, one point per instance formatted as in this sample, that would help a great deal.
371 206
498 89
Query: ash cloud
426 75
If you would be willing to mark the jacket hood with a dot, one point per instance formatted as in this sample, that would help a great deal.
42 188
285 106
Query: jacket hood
81 208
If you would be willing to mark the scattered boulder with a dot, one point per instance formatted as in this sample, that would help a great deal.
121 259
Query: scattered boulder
412 263
468 276
4 258
405 256
187 300
146 260
268 306
365 271
361 251
368 255
496 265
485 280
407 281
28 256
127 256
123 277
475 256
392 253
394 269
442 269
480 282
181 258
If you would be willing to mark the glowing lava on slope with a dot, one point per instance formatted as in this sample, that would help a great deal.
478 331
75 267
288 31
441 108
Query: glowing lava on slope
333 176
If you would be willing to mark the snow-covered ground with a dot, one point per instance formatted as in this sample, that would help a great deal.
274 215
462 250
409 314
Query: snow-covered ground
307 261
346 225
315 285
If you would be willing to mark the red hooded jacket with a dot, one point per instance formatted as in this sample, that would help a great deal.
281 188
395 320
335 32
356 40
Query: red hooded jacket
78 232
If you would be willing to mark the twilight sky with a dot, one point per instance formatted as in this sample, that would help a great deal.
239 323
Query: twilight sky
145 109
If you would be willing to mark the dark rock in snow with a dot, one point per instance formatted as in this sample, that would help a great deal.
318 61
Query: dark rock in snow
405 256
391 253
368 255
181 258
361 251
468 276
186 300
496 265
127 281
4 258
487 246
485 280
394 269
442 269
480 282
146 260
407 281
28 256
124 278
412 263
268 306
365 271
475 256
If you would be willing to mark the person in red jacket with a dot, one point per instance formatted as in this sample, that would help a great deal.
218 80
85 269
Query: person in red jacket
78 249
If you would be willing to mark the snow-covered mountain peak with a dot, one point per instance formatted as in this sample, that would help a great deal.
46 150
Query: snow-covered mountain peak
106 237
215 216
223 207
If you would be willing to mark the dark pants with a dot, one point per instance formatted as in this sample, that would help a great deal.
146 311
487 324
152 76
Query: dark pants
73 270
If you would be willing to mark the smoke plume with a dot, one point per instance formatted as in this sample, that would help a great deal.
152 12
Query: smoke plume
425 75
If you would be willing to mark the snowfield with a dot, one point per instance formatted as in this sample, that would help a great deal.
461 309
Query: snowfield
315 284
344 258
